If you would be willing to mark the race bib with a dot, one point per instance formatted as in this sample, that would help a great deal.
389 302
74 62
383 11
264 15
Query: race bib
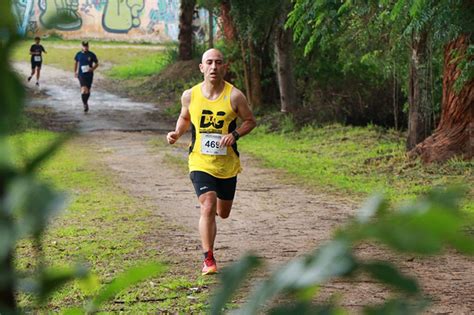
37 58
210 144
85 68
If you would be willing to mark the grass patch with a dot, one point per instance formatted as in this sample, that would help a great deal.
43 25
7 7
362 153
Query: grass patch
104 227
355 160
154 64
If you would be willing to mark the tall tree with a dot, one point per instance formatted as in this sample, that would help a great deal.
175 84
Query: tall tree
453 136
228 27
453 23
211 6
419 23
284 60
254 23
419 93
185 36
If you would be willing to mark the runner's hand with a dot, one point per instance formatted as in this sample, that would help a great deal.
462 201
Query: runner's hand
172 137
227 140
75 74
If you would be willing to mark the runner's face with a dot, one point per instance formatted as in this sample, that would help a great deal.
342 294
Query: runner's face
213 67
85 48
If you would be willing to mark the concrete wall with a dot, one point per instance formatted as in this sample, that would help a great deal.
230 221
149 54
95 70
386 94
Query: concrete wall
124 20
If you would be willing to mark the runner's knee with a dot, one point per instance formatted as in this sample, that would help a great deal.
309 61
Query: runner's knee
224 214
208 206
224 207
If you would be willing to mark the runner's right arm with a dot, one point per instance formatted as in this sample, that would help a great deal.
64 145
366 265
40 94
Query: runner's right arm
184 119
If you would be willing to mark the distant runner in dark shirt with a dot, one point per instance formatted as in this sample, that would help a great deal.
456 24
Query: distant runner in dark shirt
36 52
85 64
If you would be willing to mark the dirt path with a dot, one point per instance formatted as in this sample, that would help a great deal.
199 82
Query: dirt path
276 219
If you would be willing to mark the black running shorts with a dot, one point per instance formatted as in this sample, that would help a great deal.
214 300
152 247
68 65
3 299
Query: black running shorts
36 64
86 80
203 182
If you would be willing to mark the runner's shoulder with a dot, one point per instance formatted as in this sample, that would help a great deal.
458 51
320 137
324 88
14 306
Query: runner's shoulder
237 97
94 56
186 97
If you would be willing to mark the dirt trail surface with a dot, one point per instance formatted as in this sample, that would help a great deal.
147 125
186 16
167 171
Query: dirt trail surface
272 217
107 111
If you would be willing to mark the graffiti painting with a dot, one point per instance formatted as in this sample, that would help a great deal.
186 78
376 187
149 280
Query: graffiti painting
23 11
120 16
52 8
151 20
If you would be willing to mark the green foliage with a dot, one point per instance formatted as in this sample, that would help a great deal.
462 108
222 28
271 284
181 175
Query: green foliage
10 86
466 66
210 5
425 226
371 40
254 20
98 208
27 203
232 279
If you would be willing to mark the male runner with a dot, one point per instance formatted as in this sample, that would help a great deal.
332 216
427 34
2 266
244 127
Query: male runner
86 63
211 108
36 52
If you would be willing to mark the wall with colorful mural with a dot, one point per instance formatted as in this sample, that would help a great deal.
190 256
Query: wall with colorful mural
125 20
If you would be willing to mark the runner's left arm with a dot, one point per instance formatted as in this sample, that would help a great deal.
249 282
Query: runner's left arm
75 68
241 106
95 63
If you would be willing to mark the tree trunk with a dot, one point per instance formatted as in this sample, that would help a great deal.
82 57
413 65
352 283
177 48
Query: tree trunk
255 78
185 36
248 87
283 57
454 134
211 28
227 24
419 94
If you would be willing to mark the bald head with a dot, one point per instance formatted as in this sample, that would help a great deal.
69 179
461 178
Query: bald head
212 66
212 54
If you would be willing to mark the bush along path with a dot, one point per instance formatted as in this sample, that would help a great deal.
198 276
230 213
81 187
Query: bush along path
274 217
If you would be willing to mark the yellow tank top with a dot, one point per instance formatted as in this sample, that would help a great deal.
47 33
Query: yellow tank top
210 119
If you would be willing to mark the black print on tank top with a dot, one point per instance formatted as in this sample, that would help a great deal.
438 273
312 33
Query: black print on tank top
208 120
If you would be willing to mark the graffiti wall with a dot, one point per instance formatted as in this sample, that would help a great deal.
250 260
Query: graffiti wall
125 20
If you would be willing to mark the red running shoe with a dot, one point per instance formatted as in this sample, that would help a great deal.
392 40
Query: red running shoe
209 265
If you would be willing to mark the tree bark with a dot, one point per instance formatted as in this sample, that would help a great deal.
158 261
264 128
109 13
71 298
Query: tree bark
211 28
419 95
283 57
185 36
454 134
248 87
255 77
227 24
